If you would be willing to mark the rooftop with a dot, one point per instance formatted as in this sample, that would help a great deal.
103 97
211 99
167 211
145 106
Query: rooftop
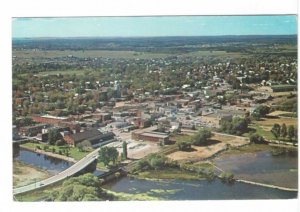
155 134
54 117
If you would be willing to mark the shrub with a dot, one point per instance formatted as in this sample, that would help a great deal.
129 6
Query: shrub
257 139
184 145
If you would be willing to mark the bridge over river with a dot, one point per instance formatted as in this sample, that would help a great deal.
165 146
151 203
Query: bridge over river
78 166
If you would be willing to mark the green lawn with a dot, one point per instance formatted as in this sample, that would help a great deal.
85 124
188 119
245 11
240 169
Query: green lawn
73 151
25 54
181 137
64 72
260 131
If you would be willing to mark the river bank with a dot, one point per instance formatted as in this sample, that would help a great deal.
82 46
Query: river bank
39 151
24 174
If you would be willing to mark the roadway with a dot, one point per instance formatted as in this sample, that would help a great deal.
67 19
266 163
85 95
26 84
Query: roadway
81 164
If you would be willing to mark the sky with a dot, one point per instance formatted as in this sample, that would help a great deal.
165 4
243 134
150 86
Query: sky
153 26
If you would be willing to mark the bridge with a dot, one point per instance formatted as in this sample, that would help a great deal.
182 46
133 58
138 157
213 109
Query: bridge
22 139
78 166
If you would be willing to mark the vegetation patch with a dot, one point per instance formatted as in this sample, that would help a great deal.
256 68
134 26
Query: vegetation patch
164 192
72 152
170 174
122 196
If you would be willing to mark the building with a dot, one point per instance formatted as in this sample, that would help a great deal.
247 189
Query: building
32 130
50 119
151 136
94 136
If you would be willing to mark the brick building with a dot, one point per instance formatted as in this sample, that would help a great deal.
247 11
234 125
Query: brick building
151 136
50 119
94 136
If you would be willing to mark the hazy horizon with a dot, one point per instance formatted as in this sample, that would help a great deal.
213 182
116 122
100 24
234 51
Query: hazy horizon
153 26
110 37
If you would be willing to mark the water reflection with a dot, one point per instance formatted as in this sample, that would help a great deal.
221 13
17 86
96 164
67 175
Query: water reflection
280 169
45 162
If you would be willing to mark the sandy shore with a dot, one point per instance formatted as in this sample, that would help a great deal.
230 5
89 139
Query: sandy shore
24 174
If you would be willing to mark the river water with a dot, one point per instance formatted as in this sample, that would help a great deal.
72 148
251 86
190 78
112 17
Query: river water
175 189
45 162
197 190
263 167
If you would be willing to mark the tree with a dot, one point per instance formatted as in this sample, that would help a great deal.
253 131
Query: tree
124 146
201 136
84 145
157 161
83 188
59 142
113 154
260 111
283 131
53 136
291 132
256 139
107 154
184 145
239 125
276 130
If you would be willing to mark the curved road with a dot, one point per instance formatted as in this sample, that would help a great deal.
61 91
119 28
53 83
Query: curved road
81 164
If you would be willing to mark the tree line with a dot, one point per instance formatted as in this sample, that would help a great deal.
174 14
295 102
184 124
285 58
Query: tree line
283 131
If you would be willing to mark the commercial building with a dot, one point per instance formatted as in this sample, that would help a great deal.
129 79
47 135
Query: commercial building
50 119
150 136
94 136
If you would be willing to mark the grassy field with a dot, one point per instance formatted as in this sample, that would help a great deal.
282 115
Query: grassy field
280 112
73 151
247 149
180 137
64 72
214 54
27 54
264 126
269 122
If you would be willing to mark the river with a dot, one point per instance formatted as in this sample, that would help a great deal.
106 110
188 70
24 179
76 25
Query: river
263 167
177 189
197 190
44 162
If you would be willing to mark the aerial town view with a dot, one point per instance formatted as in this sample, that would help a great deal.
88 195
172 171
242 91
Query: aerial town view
154 108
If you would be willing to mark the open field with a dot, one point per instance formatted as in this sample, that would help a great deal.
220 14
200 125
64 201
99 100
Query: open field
40 54
217 143
214 54
264 126
63 72
280 112
267 122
